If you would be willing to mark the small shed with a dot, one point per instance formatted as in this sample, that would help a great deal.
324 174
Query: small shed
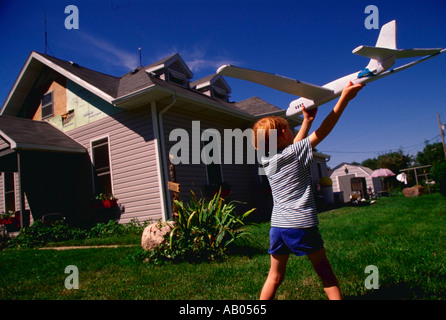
342 175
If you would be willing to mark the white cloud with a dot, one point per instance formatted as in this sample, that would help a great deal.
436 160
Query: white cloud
110 53
198 59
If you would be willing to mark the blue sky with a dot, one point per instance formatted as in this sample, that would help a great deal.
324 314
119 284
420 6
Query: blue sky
306 40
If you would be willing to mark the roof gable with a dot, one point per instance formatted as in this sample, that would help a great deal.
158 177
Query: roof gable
102 85
366 170
174 62
215 80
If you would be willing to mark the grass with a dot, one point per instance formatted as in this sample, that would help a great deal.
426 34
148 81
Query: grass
403 237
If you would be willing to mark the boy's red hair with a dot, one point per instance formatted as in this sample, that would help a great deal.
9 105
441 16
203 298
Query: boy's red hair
266 124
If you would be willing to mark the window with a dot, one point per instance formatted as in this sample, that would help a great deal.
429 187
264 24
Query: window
9 191
101 163
47 105
177 78
220 94
212 159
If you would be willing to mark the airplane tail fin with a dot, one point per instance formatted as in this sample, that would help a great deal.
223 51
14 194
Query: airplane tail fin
387 36
384 53
383 50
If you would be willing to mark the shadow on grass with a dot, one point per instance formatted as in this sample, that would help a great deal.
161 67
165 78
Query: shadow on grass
246 250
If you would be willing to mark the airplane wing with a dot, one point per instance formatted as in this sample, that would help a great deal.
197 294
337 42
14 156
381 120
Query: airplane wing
382 53
277 82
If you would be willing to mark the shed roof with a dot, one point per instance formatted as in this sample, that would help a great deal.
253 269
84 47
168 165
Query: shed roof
27 134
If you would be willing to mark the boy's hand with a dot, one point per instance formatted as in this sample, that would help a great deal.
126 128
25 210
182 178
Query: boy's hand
351 90
309 115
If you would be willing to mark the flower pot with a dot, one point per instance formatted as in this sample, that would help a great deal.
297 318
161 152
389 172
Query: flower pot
109 203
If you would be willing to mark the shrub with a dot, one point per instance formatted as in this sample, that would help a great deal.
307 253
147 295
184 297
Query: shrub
40 233
203 231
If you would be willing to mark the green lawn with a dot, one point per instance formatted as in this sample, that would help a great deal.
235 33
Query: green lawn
403 237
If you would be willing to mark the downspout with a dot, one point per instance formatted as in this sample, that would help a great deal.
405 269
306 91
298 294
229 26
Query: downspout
162 160
21 195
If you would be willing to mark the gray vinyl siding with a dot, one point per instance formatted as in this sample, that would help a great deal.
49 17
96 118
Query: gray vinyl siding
242 178
190 176
133 160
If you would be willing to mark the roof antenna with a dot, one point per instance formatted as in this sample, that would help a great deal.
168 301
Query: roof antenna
139 49
46 38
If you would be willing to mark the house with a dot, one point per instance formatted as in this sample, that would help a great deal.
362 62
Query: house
68 133
342 175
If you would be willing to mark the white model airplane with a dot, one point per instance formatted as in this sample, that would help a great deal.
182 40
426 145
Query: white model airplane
382 57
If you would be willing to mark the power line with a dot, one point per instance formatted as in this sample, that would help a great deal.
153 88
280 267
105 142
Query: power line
410 147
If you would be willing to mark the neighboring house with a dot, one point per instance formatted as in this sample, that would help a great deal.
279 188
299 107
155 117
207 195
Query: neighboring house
343 173
68 133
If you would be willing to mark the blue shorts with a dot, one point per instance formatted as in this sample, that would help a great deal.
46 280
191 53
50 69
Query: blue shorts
297 241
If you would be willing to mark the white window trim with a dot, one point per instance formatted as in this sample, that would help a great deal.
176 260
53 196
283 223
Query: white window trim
109 159
52 105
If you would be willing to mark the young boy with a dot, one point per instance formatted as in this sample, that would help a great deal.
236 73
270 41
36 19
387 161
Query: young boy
294 222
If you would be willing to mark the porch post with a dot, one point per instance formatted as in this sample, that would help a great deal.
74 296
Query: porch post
22 198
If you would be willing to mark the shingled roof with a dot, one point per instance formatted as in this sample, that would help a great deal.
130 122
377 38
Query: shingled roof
107 83
27 134
114 89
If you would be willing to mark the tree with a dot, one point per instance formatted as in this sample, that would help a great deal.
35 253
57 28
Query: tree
432 154
370 163
394 161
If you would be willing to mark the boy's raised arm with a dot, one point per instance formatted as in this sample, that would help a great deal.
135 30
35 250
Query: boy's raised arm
306 124
330 121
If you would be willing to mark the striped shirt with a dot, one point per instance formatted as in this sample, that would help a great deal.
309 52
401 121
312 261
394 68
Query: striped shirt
289 176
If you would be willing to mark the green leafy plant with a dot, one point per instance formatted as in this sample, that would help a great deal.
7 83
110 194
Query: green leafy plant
7 215
105 196
40 233
203 231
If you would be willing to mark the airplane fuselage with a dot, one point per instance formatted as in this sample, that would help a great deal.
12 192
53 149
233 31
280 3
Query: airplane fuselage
336 86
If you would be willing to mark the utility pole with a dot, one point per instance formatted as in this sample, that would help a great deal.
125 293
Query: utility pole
442 134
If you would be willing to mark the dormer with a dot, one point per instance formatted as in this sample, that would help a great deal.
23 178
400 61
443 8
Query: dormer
172 69
213 86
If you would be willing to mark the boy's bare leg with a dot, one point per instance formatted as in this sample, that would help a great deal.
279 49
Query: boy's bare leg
275 276
324 271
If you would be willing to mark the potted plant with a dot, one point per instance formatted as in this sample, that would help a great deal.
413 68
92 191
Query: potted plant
10 220
107 199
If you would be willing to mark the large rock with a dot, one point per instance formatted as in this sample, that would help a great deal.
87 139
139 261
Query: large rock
414 191
153 234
